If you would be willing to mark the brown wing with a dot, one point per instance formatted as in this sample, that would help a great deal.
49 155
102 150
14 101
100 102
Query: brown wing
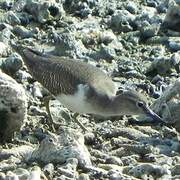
60 75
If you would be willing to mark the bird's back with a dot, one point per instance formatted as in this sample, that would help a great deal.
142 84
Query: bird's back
63 75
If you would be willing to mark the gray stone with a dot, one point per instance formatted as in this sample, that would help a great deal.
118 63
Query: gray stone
11 18
172 18
174 45
23 32
57 149
121 21
49 170
155 171
5 35
12 64
132 7
44 10
13 106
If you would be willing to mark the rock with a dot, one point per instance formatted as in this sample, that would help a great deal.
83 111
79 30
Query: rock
105 52
11 18
6 5
96 172
161 66
3 50
35 173
22 76
168 105
13 107
174 45
148 31
132 7
121 21
35 111
22 173
2 176
37 90
43 10
152 3
49 170
67 45
57 149
176 170
11 175
12 64
23 32
5 34
143 170
172 19
107 37
147 18
83 176
157 79
81 8
69 168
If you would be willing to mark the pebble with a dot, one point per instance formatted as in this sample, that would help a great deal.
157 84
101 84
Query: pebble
12 64
174 45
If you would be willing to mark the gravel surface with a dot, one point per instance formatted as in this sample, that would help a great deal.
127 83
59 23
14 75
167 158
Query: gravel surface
137 43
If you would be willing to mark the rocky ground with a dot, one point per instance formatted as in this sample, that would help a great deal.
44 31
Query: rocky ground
137 43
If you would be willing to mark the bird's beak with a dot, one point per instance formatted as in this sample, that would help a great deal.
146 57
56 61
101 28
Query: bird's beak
152 114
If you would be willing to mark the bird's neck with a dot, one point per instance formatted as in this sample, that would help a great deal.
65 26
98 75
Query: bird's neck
114 106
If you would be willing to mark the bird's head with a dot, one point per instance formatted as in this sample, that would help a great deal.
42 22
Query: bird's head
133 103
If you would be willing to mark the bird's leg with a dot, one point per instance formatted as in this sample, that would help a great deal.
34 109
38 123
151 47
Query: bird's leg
79 123
50 119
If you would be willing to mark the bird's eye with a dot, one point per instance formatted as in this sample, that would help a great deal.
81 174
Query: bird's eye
140 104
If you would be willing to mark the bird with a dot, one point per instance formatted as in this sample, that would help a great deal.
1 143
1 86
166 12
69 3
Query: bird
82 87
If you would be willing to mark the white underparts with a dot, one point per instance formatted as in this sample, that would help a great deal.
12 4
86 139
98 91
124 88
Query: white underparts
77 102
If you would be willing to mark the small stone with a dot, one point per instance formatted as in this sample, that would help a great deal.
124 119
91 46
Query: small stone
176 170
22 32
3 49
172 19
132 7
89 138
37 90
148 169
157 78
44 11
149 31
49 170
22 173
12 64
83 176
107 37
121 21
5 35
11 18
35 173
34 110
2 176
174 45
22 76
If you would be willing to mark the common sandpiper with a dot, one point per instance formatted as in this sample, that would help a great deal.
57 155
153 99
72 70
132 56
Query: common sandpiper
83 88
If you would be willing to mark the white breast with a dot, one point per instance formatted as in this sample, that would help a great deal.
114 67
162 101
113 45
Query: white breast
77 102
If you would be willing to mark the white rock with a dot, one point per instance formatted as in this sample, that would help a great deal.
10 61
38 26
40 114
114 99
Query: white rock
13 106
